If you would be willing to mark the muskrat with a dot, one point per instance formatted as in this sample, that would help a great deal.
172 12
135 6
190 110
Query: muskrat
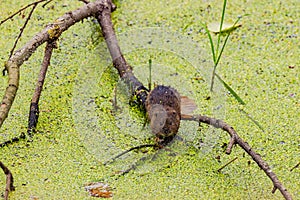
164 108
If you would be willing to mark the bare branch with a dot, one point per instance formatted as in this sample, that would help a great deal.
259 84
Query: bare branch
9 180
20 10
34 106
119 62
52 31
22 30
235 139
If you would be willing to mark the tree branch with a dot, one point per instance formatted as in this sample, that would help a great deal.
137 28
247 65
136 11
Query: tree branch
119 62
34 106
52 31
22 29
20 10
9 180
235 139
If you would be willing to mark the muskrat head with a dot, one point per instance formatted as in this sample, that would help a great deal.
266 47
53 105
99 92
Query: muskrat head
163 111
164 121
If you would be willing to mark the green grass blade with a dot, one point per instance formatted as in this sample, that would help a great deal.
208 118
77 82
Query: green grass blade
221 24
253 120
219 56
223 47
150 74
211 43
218 45
217 62
236 96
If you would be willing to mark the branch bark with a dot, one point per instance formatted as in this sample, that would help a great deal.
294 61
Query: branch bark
119 62
34 106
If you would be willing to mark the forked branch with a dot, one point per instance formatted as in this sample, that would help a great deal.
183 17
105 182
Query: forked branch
52 31
235 139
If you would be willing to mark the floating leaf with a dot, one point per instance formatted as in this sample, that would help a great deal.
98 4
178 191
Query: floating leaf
226 27
99 189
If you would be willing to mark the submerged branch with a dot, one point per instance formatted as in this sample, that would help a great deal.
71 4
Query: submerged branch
34 105
129 150
9 180
221 168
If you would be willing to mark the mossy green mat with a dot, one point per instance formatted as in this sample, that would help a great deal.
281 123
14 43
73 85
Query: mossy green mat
260 62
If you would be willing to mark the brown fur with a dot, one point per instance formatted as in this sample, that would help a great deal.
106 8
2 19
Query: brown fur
163 112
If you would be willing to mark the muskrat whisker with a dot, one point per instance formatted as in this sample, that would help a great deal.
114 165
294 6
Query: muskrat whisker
131 149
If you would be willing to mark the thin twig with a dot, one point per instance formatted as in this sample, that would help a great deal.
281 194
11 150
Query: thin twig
219 170
85 1
20 10
9 180
296 166
34 4
127 151
46 3
22 29
34 106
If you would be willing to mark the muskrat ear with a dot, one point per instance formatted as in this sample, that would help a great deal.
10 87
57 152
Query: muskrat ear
187 105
